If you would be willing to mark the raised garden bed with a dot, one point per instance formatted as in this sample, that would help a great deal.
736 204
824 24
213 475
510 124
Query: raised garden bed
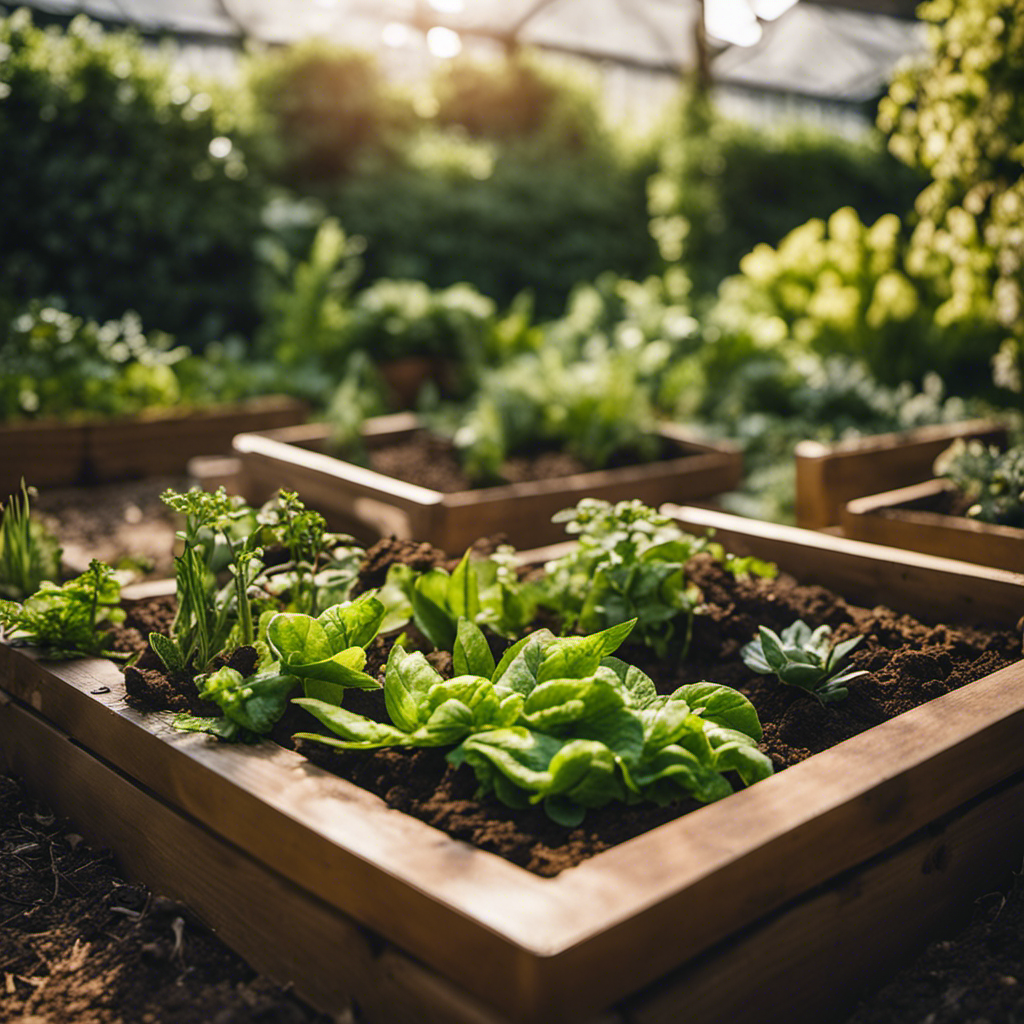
49 452
370 504
923 518
830 475
780 902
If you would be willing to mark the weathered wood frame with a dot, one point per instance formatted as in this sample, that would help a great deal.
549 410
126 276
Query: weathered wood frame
830 475
896 519
49 453
775 892
371 505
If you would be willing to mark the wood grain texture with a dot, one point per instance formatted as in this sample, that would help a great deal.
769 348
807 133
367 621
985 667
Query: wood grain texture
828 476
363 500
895 518
559 949
43 454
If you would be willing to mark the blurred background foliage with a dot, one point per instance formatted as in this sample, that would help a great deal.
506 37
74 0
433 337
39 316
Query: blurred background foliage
312 223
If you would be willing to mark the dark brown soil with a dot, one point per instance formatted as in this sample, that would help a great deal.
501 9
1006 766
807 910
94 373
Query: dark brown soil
80 945
909 663
431 461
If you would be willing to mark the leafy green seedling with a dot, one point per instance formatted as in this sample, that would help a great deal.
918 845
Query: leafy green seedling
68 621
29 554
804 658
328 653
252 705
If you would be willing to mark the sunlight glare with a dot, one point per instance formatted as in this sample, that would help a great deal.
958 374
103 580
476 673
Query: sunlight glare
443 42
396 34
769 10
732 21
448 6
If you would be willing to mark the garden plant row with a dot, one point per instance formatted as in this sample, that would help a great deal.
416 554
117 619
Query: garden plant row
668 671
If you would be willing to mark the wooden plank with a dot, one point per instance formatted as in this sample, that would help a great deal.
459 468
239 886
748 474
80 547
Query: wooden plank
828 476
43 454
362 500
163 443
557 949
810 962
894 518
931 588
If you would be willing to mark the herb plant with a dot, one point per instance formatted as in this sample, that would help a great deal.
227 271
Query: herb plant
804 658
29 554
993 481
559 722
630 563
68 621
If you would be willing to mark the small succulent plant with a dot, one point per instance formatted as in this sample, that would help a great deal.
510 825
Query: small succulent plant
805 658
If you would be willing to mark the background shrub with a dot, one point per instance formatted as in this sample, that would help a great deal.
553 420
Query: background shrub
722 187
124 185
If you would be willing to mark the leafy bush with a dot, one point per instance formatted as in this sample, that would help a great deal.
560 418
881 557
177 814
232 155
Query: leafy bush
959 116
722 187
327 108
845 289
56 364
519 99
499 219
125 185
991 480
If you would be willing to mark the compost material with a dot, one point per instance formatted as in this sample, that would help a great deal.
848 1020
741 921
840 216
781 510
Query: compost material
80 945
908 662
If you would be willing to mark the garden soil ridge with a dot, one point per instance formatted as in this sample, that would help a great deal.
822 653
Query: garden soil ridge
908 663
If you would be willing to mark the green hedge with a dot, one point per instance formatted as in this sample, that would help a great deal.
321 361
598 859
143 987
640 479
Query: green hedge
123 186
723 187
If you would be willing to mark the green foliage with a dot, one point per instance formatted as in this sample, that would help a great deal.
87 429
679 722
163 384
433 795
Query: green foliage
958 115
484 591
29 553
629 563
991 480
126 185
60 365
67 621
251 705
559 722
804 658
595 408
327 107
848 289
499 219
328 653
723 187
519 99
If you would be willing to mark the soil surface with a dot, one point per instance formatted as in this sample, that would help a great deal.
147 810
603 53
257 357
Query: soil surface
431 461
124 524
80 945
908 663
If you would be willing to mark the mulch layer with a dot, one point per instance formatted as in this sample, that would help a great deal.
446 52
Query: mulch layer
80 945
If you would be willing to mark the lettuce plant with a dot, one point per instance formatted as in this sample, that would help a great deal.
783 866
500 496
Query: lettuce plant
804 658
29 553
559 722
68 621
325 654
483 590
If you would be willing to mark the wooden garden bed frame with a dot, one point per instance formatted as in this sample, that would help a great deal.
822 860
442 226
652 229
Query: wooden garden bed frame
902 519
371 505
50 453
779 903
830 475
